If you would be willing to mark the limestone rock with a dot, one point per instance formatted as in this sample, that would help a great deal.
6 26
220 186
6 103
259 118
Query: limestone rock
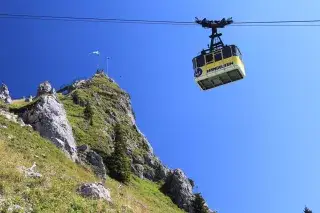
95 191
12 117
48 117
138 170
93 159
45 88
30 172
5 94
178 187
157 170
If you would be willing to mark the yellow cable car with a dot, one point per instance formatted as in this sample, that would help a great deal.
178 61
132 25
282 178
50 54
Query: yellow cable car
220 64
220 67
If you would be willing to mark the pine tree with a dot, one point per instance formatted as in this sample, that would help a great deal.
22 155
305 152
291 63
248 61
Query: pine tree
119 163
199 204
307 210
88 113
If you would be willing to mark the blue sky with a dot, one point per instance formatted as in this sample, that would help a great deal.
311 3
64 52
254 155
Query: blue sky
251 146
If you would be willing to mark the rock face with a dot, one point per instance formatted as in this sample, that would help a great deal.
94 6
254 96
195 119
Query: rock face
153 168
4 94
178 187
157 171
48 117
95 191
93 159
125 105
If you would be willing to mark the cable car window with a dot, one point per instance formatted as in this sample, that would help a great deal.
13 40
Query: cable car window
194 63
200 61
209 58
226 52
239 53
217 57
233 50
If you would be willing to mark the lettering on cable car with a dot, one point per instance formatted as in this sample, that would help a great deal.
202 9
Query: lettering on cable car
220 67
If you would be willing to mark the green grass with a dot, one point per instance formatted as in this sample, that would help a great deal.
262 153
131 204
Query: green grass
20 103
55 191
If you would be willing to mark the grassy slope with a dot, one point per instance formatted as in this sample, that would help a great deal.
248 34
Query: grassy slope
55 191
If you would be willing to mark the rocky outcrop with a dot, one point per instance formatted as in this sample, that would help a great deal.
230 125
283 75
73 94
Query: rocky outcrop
148 165
48 117
158 171
12 117
45 88
178 187
5 94
138 170
90 157
94 191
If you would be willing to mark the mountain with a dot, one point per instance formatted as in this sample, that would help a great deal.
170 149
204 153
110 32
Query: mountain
79 149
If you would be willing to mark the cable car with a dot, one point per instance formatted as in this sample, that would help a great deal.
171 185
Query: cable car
220 64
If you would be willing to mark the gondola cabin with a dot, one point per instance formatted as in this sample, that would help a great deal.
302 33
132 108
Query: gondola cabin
217 68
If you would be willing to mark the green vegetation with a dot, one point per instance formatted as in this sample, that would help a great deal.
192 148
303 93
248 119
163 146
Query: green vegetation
94 124
88 113
95 135
55 191
119 164
4 106
199 204
20 103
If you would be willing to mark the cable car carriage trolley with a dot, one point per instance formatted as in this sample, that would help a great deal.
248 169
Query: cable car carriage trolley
220 64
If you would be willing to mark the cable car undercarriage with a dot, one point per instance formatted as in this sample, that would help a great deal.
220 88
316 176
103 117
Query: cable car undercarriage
219 64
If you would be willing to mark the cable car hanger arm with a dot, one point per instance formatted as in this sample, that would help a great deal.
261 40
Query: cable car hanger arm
216 41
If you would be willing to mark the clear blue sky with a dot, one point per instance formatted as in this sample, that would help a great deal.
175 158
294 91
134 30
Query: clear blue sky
251 146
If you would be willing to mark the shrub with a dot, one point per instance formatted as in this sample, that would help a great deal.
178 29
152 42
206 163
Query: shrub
307 210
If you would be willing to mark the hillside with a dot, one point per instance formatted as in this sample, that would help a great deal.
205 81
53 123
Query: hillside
68 140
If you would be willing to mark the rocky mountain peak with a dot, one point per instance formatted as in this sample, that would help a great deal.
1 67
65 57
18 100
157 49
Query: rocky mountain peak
45 88
5 94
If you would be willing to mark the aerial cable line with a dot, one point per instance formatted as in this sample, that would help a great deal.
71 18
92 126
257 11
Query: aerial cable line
69 18
186 23
273 22
275 25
